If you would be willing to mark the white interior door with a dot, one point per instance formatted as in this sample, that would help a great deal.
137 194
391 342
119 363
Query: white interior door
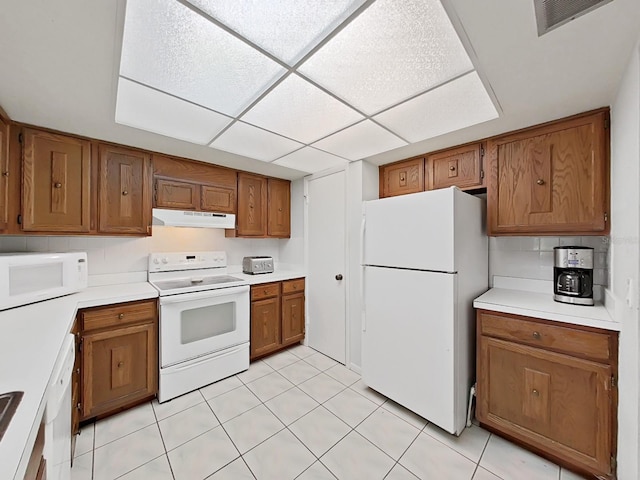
326 247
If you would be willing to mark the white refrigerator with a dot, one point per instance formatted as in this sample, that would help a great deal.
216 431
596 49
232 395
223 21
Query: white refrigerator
425 258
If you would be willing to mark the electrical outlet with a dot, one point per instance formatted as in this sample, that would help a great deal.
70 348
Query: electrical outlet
630 296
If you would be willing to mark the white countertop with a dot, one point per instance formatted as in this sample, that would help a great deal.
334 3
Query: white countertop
542 305
30 340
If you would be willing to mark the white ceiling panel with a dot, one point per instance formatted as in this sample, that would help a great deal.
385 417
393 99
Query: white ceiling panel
297 109
170 47
254 142
392 51
142 107
454 106
310 160
288 29
360 141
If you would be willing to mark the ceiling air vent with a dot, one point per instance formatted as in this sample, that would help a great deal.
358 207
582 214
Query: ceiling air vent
551 14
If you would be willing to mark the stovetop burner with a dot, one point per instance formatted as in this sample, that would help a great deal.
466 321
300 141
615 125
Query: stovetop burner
188 272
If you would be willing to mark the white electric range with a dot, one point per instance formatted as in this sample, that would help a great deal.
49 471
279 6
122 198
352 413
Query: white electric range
204 320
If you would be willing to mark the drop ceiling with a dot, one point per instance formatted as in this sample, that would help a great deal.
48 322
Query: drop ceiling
376 80
351 78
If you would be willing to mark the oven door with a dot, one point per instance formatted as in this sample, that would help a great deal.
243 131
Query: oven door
200 323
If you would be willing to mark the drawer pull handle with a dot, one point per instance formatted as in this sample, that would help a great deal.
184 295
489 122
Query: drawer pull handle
535 393
120 364
125 193
121 316
540 181
537 335
57 185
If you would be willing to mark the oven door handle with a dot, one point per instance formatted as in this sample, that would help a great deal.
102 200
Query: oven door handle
214 293
205 358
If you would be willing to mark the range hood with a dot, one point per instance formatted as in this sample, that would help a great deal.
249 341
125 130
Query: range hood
190 218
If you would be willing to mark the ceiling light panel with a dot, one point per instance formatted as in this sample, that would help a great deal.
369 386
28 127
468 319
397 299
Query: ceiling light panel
458 104
392 51
142 107
310 160
254 142
288 29
360 141
297 109
174 49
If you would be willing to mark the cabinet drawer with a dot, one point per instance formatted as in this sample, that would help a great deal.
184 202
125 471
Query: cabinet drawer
291 286
265 290
570 340
118 315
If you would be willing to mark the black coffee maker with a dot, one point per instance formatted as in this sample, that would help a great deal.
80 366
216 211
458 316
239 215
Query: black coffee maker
573 275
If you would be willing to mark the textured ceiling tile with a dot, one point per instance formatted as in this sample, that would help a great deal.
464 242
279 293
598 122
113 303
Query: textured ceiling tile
456 105
392 51
170 47
297 109
360 141
288 29
254 142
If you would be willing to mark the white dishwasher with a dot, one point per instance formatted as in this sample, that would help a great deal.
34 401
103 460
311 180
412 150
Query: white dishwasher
57 444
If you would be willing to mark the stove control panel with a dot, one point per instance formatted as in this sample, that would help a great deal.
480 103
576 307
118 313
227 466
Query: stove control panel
166 262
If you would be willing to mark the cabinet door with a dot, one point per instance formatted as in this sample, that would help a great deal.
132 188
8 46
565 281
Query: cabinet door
402 178
252 205
218 199
279 210
554 402
292 318
4 173
265 326
173 194
119 367
56 182
461 167
124 202
552 179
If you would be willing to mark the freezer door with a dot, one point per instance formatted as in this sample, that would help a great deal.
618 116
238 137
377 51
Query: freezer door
411 231
408 352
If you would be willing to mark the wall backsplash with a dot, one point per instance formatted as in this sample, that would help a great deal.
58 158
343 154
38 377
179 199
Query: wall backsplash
532 257
107 255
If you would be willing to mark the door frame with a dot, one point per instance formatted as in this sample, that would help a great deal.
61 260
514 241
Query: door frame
347 273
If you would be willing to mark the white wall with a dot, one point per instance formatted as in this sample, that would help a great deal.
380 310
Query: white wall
625 260
362 184
532 257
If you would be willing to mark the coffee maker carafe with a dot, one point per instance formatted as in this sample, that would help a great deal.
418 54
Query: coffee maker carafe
573 275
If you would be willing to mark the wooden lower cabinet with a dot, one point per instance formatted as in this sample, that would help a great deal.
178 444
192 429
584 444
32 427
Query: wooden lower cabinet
552 392
119 356
277 316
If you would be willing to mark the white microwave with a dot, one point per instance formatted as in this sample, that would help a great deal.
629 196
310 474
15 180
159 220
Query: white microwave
32 277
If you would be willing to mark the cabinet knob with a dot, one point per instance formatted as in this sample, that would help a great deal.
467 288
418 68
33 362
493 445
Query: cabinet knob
535 393
78 406
120 364
280 209
540 181
537 335
121 316
452 168
57 185
125 193
266 291
5 174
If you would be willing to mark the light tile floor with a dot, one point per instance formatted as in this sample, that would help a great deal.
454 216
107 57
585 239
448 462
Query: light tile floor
296 414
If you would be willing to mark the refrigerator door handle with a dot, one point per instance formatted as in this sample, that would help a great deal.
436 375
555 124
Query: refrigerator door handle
362 228
362 302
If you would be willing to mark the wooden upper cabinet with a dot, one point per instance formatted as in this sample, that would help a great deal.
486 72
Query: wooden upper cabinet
551 179
174 194
56 180
461 167
402 177
218 199
252 205
124 188
4 174
279 209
